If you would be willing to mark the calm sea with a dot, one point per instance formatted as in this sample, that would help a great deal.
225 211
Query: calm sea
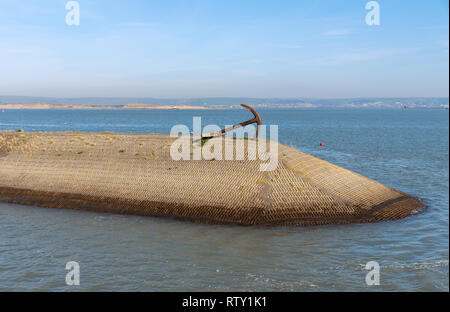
404 149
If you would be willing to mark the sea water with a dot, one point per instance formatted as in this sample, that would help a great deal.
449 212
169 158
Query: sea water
404 149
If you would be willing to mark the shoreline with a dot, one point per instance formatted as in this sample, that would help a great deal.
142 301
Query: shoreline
45 106
101 107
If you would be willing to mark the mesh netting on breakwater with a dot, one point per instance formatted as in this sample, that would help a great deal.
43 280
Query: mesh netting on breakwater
135 174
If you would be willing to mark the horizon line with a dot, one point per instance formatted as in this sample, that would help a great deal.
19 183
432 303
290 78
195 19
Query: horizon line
227 97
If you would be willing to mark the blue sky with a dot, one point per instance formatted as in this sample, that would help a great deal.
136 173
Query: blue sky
245 48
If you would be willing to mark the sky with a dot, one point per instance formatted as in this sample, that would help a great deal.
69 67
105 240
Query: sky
227 48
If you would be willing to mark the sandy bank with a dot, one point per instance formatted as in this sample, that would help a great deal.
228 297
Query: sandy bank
6 106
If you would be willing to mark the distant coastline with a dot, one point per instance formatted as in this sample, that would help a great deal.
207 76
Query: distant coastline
46 106
103 107
113 103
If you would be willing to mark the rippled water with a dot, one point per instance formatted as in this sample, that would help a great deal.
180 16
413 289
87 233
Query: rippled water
405 149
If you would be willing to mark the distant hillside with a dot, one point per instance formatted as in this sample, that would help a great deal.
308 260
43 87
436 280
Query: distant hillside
231 102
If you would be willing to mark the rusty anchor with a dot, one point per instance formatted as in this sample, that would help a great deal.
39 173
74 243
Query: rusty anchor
256 119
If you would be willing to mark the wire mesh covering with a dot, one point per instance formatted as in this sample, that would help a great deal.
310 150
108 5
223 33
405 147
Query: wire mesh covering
135 174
